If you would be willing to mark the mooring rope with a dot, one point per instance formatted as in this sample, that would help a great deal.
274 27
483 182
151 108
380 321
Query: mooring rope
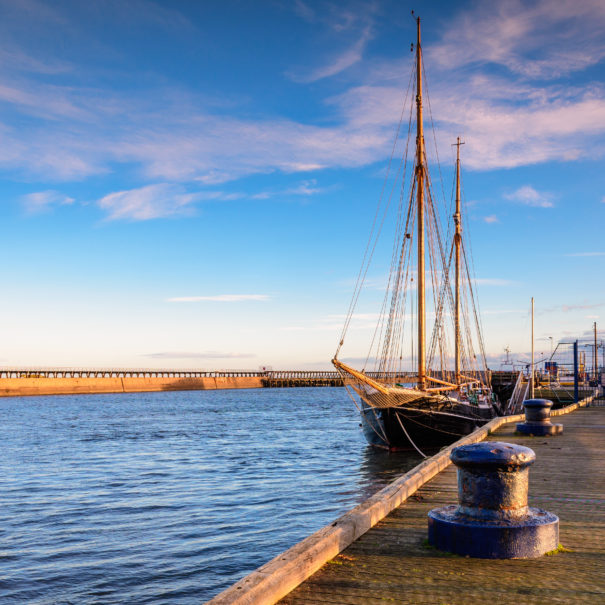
409 438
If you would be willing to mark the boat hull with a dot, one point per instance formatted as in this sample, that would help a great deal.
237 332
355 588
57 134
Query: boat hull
427 428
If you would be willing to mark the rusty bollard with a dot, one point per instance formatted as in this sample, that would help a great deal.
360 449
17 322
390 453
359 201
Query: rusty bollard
537 419
492 519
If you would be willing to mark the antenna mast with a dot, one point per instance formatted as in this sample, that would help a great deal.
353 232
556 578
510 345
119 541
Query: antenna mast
595 360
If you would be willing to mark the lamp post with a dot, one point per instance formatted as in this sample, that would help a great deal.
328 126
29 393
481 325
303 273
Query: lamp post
550 363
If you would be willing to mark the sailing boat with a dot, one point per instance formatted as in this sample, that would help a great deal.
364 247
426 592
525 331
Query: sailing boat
432 406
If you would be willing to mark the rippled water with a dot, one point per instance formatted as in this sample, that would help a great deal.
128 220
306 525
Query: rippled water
171 497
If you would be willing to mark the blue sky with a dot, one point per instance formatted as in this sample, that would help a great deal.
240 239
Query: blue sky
191 184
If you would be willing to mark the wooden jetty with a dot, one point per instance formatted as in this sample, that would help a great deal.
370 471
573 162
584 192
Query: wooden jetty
392 563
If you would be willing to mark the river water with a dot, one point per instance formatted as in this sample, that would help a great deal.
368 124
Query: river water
171 497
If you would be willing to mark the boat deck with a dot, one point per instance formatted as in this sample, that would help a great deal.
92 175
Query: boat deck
392 562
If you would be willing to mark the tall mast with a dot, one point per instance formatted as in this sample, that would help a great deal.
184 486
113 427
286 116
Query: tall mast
420 174
458 246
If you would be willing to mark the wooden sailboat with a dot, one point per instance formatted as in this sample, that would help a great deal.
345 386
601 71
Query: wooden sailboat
433 406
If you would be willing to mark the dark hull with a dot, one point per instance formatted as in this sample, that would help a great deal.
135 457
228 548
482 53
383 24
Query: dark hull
428 427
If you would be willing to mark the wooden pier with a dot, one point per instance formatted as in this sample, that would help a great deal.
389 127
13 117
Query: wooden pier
378 552
392 563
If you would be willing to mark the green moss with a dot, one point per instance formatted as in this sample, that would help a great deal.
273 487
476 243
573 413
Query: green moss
557 550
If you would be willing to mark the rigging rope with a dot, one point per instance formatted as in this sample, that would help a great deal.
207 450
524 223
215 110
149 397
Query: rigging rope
362 274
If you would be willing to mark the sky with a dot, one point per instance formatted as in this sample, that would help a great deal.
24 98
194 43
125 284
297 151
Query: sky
192 184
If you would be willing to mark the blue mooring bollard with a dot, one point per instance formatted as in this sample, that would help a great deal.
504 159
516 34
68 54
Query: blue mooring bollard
537 419
492 519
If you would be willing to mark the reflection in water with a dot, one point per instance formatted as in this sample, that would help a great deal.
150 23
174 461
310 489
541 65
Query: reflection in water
379 468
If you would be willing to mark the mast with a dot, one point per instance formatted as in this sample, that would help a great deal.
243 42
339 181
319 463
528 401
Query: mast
458 245
420 174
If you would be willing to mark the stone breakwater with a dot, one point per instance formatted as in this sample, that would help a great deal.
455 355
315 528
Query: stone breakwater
16 387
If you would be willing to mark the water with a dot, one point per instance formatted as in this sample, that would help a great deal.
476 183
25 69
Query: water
171 497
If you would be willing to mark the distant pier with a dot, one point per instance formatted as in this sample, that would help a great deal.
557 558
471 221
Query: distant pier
20 381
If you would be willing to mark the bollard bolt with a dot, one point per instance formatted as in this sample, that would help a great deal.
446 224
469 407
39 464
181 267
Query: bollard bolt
492 519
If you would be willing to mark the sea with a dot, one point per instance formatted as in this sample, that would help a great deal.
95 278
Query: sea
171 497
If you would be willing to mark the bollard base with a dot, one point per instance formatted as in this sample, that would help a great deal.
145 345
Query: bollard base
539 429
528 538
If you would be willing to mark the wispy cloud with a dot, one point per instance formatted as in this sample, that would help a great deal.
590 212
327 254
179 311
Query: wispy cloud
518 115
204 355
491 219
220 298
567 308
304 10
334 322
543 39
341 24
170 135
587 254
305 189
571 307
339 63
42 201
153 201
495 281
503 311
530 197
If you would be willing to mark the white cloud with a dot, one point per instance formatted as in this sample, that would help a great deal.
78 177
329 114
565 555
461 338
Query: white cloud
528 196
491 219
170 135
153 201
305 188
543 39
43 201
220 298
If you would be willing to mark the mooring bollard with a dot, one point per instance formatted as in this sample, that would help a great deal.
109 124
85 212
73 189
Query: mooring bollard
537 419
492 519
